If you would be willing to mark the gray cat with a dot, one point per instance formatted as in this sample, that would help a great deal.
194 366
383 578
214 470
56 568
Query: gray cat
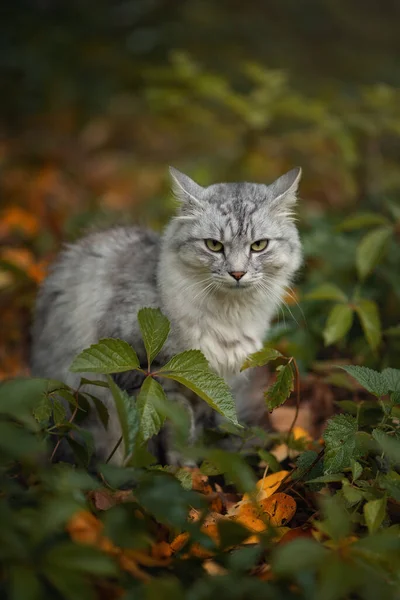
218 272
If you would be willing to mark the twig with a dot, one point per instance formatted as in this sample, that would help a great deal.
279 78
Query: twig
72 417
113 451
296 414
315 461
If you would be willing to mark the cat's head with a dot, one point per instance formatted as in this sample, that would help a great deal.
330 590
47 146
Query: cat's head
237 235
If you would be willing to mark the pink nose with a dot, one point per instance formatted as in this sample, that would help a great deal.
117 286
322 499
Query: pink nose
237 274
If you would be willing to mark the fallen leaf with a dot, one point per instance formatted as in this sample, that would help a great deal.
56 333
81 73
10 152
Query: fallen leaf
268 485
213 568
280 507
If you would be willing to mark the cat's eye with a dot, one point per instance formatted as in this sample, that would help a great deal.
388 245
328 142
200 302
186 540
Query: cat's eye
259 245
214 245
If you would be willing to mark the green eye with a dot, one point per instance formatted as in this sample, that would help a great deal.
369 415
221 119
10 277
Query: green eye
214 245
259 245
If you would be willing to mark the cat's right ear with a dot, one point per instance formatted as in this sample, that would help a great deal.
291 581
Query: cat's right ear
185 190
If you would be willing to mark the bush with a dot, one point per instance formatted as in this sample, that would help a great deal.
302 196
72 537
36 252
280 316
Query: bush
320 525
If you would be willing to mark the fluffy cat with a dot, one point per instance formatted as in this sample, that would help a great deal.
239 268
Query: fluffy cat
218 272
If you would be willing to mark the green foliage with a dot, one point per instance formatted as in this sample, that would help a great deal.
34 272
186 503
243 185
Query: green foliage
340 443
107 356
155 329
358 470
279 391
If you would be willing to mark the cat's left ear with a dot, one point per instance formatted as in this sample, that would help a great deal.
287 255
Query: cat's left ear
284 190
187 191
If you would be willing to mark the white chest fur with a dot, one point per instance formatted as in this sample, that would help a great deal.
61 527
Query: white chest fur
226 337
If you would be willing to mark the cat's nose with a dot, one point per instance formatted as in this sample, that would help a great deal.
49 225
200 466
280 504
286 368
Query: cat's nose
237 274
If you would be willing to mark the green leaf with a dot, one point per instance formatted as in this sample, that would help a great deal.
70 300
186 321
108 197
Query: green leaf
80 558
235 467
339 321
374 513
392 485
281 389
108 356
340 443
392 379
272 463
362 219
303 463
330 478
371 250
191 369
393 331
42 411
327 291
20 397
356 469
150 400
261 358
373 381
389 444
101 409
351 494
297 556
368 314
59 412
155 329
127 414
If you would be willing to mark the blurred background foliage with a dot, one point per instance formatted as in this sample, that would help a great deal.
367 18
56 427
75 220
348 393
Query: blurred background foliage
97 98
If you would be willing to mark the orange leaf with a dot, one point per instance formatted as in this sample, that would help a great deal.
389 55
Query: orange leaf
178 543
280 507
268 485
84 528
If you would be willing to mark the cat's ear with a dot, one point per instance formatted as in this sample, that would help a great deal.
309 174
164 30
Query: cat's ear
283 191
187 191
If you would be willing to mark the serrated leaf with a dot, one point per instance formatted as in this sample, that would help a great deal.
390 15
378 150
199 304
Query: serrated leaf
389 444
281 389
392 486
303 463
371 380
43 409
59 412
368 314
191 369
340 443
356 469
362 219
371 250
326 291
392 379
374 513
339 322
106 357
155 329
261 358
127 414
148 403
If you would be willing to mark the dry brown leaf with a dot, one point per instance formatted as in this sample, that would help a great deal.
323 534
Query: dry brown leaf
213 568
84 528
161 550
297 532
179 542
105 499
268 485
280 507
